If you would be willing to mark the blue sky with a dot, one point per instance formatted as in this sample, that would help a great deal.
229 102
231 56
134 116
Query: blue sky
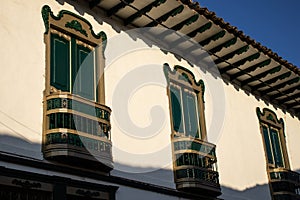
273 23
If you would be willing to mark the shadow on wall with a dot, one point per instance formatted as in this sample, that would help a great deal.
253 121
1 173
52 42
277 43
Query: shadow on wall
258 192
160 177
19 146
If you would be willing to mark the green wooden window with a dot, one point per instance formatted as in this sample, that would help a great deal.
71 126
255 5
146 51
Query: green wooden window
268 145
176 109
185 112
191 114
273 146
278 156
69 62
83 70
60 63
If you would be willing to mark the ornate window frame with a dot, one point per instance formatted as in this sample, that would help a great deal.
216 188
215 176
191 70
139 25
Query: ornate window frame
75 126
194 158
69 25
283 183
185 79
268 119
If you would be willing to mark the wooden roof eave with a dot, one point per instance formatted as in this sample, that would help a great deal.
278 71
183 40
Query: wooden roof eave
261 75
241 56
251 69
286 92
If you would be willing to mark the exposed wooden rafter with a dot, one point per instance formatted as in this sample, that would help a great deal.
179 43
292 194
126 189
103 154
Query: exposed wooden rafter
185 22
201 29
292 105
166 16
240 62
281 85
206 41
232 54
221 40
272 80
94 3
118 7
285 92
212 38
261 75
250 69
179 26
289 98
226 44
143 11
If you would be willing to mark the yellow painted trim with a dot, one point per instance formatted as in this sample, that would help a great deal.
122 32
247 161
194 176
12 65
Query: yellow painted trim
65 130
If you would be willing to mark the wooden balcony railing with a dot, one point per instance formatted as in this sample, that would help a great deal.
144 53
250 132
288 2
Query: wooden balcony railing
77 129
195 166
285 184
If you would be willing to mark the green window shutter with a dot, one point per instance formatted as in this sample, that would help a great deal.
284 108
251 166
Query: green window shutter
190 115
276 148
60 63
268 144
176 109
83 71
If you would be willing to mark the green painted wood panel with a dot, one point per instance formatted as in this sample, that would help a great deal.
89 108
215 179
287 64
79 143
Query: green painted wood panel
190 115
83 72
268 144
177 117
277 152
60 63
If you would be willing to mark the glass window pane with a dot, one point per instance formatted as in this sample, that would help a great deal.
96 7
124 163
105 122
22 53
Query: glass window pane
83 73
191 115
268 144
276 148
176 109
